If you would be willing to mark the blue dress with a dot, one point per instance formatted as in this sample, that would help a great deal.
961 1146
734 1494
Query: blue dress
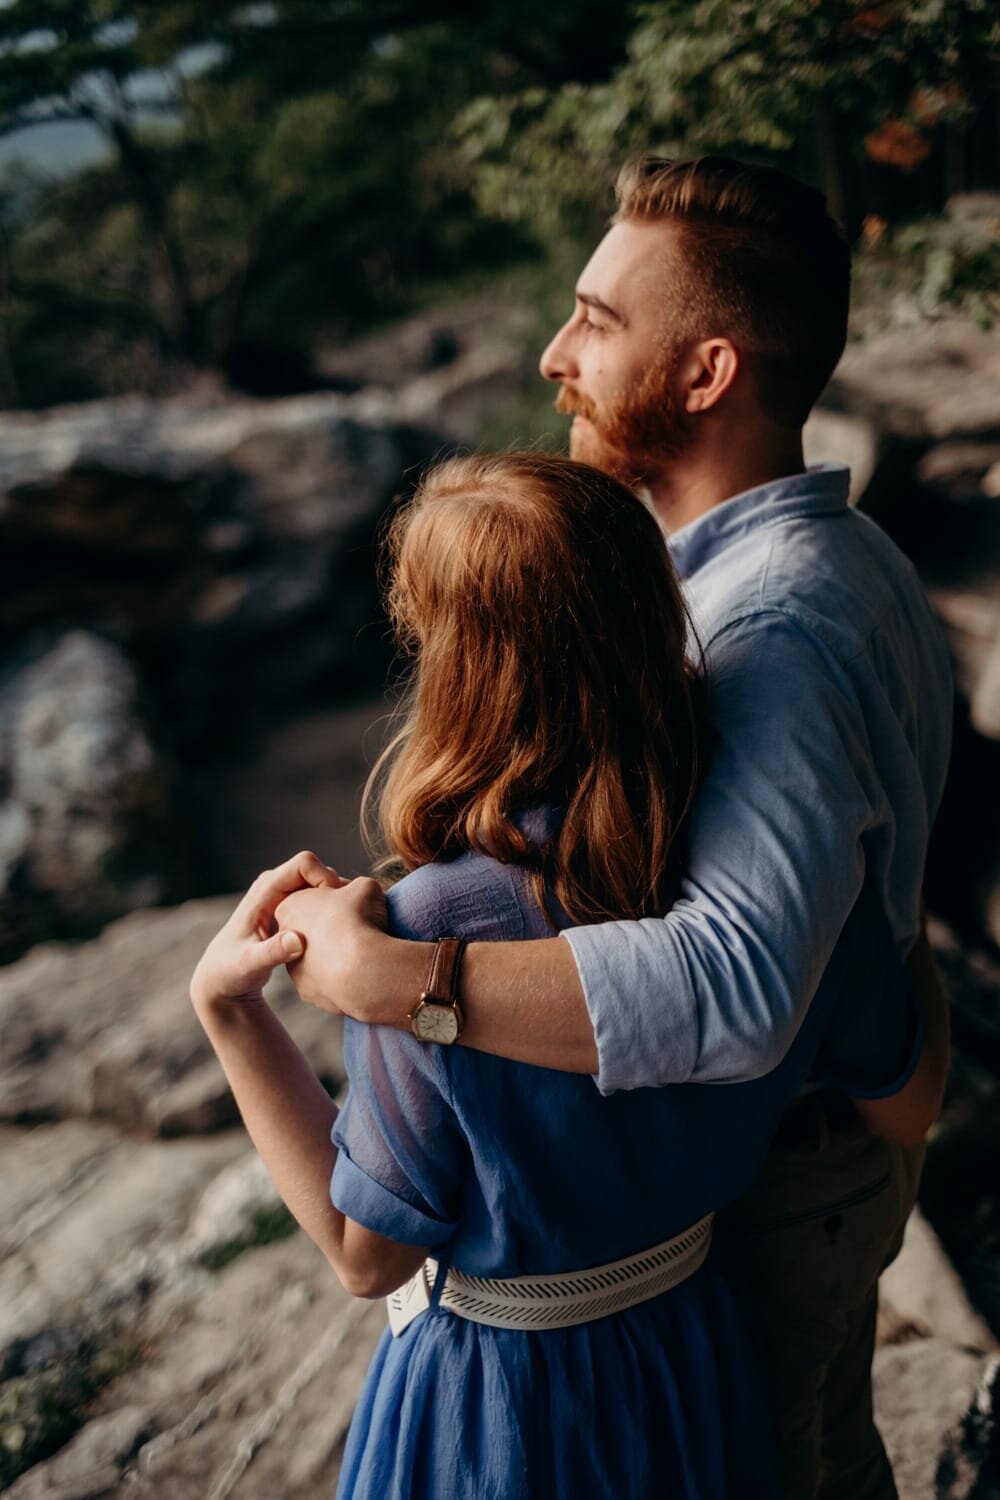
503 1169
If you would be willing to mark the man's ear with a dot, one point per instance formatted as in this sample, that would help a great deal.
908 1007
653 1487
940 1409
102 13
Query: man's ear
710 369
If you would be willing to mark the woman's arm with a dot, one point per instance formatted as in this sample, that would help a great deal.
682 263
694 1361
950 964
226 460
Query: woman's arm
906 1117
289 1115
287 1112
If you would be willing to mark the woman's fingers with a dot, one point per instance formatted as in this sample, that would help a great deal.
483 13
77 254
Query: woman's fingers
256 961
256 911
280 949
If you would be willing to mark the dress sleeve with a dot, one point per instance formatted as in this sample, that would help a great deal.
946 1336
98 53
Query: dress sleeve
401 1153
717 989
399 1148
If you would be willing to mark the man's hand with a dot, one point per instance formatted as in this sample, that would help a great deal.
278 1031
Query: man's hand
345 932
243 955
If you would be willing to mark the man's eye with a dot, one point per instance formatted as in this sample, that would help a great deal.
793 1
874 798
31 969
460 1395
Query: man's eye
595 327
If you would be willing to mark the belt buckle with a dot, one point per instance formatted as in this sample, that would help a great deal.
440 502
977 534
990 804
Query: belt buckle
410 1300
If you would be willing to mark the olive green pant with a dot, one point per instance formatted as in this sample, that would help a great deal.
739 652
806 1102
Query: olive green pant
806 1247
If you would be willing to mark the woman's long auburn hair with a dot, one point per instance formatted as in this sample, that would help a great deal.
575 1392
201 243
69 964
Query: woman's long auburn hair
549 635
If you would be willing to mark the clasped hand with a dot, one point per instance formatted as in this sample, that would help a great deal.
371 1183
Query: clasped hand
243 955
302 915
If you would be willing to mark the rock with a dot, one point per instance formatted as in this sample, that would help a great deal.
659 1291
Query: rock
921 1296
933 381
107 1029
975 208
85 1234
963 473
836 437
90 1466
922 1392
88 829
92 1219
430 341
268 1366
237 1383
237 1209
225 541
969 1465
299 787
465 398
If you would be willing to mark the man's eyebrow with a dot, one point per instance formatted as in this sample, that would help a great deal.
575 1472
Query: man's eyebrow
590 299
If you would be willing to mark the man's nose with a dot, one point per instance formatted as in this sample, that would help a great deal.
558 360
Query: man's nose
557 362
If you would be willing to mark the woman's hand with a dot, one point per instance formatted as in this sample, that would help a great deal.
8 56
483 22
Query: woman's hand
243 955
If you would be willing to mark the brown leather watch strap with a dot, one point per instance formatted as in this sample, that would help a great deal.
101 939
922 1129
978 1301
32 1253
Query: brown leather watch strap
442 981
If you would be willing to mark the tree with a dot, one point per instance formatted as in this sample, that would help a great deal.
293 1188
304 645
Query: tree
832 89
292 166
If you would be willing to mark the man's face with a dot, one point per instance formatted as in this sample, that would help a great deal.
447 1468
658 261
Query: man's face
617 357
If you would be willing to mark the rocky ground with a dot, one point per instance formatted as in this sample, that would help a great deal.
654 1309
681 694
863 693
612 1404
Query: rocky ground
163 1330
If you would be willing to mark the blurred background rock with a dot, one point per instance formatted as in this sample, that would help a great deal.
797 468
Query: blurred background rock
258 264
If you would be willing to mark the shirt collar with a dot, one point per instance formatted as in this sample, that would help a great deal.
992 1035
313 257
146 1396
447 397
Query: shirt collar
821 490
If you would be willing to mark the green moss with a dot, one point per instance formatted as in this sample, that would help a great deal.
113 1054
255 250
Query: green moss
42 1408
269 1224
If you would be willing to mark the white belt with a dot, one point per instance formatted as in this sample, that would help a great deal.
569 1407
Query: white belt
553 1301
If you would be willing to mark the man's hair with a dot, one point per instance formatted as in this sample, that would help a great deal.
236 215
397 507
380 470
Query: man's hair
550 641
766 266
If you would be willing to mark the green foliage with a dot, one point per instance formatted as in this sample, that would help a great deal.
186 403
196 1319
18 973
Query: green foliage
929 268
822 87
316 166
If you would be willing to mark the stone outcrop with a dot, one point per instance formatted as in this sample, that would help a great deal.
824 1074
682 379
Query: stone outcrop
173 575
928 1396
201 531
131 1206
87 823
105 1030
172 572
166 1331
914 410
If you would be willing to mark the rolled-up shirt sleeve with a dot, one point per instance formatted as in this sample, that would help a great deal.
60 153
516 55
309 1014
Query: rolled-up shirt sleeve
716 990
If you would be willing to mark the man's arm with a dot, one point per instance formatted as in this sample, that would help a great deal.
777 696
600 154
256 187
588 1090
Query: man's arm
520 1000
906 1116
718 988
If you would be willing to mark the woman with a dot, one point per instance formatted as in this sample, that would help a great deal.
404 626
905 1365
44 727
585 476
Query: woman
542 777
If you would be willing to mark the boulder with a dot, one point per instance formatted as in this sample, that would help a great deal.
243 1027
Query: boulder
225 541
923 1392
929 382
431 340
88 824
91 1464
159 1331
921 1296
106 1029
845 438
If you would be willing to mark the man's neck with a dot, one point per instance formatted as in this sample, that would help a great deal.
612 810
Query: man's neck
697 482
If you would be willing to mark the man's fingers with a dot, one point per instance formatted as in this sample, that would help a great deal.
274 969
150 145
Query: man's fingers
369 900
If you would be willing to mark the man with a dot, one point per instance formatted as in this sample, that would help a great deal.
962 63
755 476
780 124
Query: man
706 325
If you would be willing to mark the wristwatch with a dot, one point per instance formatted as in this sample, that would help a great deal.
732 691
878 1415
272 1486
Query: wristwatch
437 1015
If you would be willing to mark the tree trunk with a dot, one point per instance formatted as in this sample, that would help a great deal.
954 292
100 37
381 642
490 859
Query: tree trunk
9 393
184 315
831 168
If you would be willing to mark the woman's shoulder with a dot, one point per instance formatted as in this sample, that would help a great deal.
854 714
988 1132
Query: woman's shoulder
473 897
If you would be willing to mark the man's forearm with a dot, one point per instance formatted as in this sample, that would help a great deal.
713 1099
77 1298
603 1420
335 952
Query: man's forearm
523 1001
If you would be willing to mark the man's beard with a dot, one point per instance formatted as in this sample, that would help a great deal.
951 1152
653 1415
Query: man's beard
639 435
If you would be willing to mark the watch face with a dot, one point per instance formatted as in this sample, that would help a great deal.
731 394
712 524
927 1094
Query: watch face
435 1023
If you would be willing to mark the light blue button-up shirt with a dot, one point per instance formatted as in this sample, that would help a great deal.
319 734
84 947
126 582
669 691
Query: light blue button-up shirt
830 709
